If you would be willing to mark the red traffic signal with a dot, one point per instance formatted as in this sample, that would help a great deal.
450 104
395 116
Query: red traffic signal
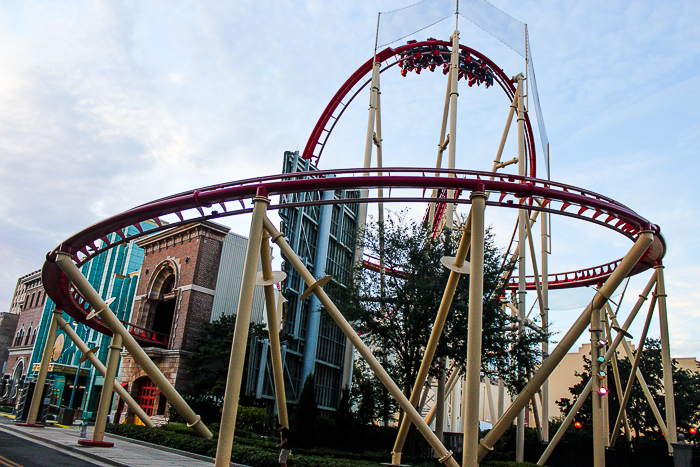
578 425
692 431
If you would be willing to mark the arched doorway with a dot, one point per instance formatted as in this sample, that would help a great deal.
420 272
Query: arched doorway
158 313
165 309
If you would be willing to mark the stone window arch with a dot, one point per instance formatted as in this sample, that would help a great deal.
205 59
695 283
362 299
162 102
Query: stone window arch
29 334
158 314
19 336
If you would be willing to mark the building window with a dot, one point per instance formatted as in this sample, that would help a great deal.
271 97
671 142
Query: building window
29 335
19 336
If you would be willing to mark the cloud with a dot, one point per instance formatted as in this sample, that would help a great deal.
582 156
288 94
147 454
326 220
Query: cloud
107 105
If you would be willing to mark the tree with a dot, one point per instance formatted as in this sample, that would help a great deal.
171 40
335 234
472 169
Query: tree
307 413
396 319
639 413
209 363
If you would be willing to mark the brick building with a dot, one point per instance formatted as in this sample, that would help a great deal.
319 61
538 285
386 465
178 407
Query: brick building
175 296
28 301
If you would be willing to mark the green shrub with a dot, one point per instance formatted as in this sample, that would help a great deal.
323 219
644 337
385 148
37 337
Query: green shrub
259 454
251 419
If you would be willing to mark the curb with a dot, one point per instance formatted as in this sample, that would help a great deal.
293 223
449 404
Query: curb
169 449
85 452
63 447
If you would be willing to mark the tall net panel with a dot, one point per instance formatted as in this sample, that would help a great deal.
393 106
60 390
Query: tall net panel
438 17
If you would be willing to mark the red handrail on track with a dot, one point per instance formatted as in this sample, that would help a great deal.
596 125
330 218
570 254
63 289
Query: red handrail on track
386 54
515 192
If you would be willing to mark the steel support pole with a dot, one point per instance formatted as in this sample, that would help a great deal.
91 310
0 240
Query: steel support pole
523 222
545 321
643 384
103 409
369 141
489 397
566 423
92 358
384 378
240 334
501 398
273 322
618 384
440 402
43 370
536 414
609 354
380 191
640 246
442 144
451 383
435 334
476 311
666 358
454 93
64 261
633 372
599 439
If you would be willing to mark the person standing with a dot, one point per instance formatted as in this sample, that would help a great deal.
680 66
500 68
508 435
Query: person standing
288 443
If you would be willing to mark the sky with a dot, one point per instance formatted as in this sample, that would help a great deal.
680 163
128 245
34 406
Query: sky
106 105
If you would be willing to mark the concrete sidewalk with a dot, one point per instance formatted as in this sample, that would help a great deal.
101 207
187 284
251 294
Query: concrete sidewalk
125 453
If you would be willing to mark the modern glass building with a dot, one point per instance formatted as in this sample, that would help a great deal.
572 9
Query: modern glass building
324 238
114 273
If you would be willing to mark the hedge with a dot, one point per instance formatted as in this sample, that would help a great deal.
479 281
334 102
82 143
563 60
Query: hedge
257 454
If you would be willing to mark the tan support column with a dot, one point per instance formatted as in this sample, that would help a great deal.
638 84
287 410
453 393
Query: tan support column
610 354
442 145
98 433
64 261
642 382
43 369
369 142
633 372
599 440
451 383
476 309
501 399
384 378
240 334
566 423
618 384
523 222
273 323
454 93
456 270
628 262
545 321
440 402
666 358
92 358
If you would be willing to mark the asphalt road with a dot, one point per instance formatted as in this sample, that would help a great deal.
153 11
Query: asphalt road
19 452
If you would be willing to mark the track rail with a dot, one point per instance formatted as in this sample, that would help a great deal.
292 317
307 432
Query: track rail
390 57
400 184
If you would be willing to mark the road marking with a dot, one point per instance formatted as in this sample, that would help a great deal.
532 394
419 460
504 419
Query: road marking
8 462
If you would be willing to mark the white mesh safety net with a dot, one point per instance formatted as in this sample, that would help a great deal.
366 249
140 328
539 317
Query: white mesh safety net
396 25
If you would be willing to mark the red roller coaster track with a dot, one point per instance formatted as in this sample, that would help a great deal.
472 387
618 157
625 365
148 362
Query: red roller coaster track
390 57
403 184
